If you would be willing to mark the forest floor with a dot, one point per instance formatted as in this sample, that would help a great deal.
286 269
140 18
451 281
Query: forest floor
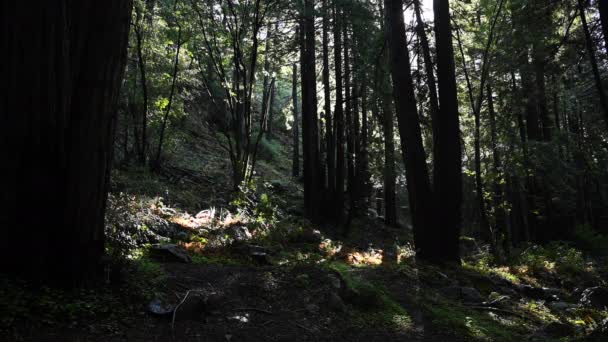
251 268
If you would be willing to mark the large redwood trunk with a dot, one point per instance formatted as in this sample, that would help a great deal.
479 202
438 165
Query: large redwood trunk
62 71
414 156
448 185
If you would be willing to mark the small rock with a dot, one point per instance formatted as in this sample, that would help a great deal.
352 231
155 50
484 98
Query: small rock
560 306
596 297
160 308
183 236
170 253
241 234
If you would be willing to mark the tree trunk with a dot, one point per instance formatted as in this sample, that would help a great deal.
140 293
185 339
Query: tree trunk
592 59
448 185
309 118
414 156
348 92
503 235
603 8
329 138
143 148
163 127
429 70
296 124
339 118
64 70
390 175
266 90
541 94
485 228
365 176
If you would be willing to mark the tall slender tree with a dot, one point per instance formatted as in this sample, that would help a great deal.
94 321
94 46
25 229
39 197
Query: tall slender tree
296 123
329 136
339 116
592 59
309 116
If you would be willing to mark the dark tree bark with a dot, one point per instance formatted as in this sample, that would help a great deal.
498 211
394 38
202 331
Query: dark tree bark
541 93
348 110
503 235
592 59
390 175
414 156
448 185
329 138
365 176
428 67
310 118
533 131
296 124
339 118
266 87
139 37
603 8
62 74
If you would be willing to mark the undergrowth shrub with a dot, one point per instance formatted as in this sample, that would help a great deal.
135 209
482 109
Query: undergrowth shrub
587 239
269 150
255 202
132 223
557 256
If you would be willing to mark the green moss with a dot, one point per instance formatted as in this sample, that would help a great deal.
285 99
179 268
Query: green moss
198 259
469 324
373 305
483 267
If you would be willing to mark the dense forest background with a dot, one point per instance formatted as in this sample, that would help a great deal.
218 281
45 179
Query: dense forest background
304 170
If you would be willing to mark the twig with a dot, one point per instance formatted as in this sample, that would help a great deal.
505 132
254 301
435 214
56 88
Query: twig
303 327
180 304
266 323
253 309
490 308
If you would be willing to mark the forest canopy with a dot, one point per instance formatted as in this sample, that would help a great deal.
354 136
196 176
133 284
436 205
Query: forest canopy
357 148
